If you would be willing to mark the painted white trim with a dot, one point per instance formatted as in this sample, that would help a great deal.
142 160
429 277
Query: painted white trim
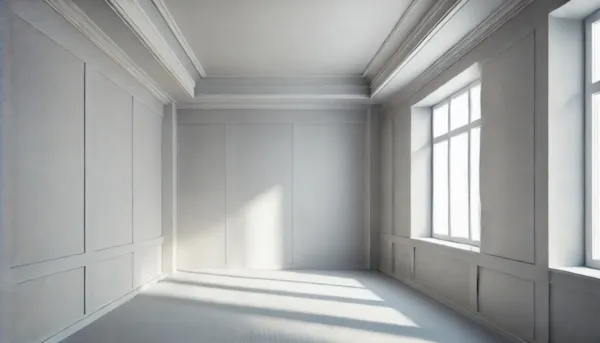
501 16
92 317
132 13
289 105
395 31
168 18
74 15
427 28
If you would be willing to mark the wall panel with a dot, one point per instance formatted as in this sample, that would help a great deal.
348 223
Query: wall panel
507 153
108 163
201 194
147 265
447 276
328 201
259 195
44 306
507 300
108 280
147 181
47 175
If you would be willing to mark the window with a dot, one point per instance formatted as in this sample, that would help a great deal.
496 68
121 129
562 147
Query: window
593 141
456 125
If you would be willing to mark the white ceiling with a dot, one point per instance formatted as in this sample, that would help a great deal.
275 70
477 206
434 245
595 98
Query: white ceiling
286 38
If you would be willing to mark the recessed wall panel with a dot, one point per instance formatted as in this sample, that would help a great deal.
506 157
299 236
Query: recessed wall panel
45 306
507 153
147 182
108 129
47 154
259 195
445 275
147 265
201 194
507 300
108 280
329 196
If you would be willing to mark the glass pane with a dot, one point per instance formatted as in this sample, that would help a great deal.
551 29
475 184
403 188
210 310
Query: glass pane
459 186
459 111
440 188
596 51
475 198
476 103
595 177
440 120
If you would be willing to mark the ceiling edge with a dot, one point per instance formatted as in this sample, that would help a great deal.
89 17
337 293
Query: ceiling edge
168 18
74 15
136 18
427 28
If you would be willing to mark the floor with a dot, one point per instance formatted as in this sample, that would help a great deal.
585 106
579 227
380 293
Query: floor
282 307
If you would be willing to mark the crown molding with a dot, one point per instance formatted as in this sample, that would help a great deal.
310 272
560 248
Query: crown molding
228 103
496 20
427 28
168 18
137 19
74 15
395 31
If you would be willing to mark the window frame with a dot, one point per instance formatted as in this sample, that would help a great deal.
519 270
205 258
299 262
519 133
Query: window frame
467 128
591 88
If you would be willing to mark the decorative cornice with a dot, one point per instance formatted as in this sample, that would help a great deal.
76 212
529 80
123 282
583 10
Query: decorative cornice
272 104
496 20
395 31
91 31
137 19
168 17
428 27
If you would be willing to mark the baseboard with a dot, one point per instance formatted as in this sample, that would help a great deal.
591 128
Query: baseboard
92 317
470 315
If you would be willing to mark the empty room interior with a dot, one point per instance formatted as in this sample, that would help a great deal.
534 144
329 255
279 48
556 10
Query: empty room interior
299 171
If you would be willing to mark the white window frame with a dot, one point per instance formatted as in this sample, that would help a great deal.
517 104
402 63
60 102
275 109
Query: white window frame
592 228
447 137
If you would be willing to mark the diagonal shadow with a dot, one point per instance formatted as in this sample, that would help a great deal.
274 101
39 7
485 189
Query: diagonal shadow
390 329
278 292
270 279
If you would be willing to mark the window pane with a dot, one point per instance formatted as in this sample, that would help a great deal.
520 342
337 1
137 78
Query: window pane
475 198
596 51
595 178
440 120
476 103
459 111
459 186
440 188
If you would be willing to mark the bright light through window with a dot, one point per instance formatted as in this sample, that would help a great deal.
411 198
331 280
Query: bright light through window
456 132
593 142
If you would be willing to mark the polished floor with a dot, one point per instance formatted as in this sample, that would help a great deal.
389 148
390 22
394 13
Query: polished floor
282 307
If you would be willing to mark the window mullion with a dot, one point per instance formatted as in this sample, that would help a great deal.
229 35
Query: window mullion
449 175
469 170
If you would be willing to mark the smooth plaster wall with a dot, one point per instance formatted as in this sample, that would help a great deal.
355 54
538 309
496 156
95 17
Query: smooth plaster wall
81 175
273 189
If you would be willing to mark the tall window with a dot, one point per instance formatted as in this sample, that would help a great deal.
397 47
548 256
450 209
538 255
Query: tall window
592 76
456 125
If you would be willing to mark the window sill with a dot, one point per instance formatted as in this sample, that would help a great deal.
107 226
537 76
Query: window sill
586 272
460 246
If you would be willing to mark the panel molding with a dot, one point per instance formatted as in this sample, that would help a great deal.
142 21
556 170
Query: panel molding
84 24
137 19
168 18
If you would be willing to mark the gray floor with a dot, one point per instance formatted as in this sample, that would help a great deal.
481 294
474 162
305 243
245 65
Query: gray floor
282 307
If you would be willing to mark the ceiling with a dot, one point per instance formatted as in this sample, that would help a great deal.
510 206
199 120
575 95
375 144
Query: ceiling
285 38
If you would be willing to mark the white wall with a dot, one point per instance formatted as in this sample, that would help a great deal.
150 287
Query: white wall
506 283
272 189
81 163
